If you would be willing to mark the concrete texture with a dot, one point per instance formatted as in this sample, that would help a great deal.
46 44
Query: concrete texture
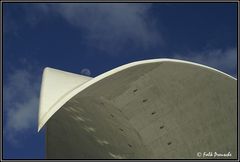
160 110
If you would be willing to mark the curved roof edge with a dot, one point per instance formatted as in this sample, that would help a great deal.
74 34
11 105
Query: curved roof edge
55 84
83 82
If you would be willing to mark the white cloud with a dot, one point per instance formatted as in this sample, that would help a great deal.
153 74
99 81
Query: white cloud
109 27
224 60
21 95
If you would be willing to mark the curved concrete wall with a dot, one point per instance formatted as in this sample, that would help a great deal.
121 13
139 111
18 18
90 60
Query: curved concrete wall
163 109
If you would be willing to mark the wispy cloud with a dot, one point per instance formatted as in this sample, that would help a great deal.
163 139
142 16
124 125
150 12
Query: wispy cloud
21 96
224 60
109 27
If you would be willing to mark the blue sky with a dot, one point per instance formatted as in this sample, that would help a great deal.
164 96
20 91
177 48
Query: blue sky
93 38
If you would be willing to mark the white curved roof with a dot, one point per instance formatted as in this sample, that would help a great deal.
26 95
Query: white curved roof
58 87
55 85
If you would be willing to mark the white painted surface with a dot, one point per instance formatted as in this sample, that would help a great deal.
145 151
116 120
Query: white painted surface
55 85
59 86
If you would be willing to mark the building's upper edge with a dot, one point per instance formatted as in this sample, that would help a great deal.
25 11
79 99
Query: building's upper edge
55 84
59 86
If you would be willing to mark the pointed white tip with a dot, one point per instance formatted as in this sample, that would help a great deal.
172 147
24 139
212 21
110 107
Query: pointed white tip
55 84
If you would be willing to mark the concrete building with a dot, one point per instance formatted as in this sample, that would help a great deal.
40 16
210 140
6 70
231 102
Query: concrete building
151 109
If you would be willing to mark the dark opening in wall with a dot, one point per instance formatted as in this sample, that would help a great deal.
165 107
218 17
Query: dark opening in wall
112 115
144 100
135 90
129 145
121 129
169 143
153 112
162 127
